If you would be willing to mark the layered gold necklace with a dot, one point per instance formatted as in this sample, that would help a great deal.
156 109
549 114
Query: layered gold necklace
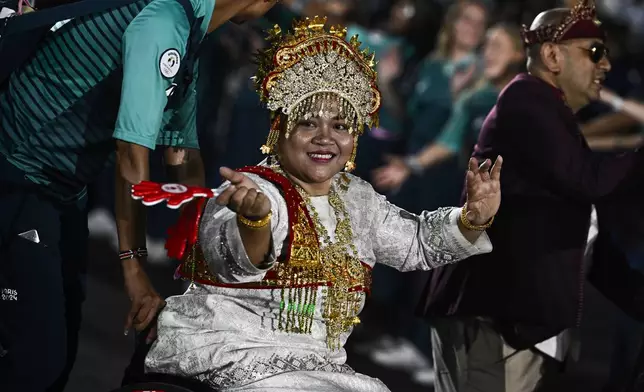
340 264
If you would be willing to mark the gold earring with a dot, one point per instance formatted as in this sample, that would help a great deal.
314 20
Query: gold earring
273 136
351 163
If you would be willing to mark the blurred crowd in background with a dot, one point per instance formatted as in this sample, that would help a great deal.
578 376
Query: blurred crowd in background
441 65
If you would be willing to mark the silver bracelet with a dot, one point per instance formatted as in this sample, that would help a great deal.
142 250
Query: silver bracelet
413 164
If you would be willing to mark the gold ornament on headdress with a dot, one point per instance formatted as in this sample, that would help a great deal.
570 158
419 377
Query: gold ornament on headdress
584 10
315 72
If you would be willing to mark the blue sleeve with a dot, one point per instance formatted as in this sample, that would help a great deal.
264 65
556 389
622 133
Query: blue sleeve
153 46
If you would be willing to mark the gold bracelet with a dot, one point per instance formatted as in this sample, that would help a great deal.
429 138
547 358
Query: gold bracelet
254 224
469 226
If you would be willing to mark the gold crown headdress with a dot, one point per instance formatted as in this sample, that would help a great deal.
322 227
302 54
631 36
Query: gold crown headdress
310 67
581 22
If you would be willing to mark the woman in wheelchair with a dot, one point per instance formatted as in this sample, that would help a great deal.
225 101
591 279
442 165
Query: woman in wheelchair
279 257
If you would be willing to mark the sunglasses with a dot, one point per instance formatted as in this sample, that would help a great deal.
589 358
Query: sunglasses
596 52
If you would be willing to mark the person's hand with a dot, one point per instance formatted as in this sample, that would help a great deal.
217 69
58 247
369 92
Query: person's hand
243 196
146 302
462 79
483 190
392 175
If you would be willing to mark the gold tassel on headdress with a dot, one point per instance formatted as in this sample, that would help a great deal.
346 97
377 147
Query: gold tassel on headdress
273 136
351 163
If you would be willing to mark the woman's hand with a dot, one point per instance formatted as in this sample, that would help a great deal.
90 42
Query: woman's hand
243 196
146 303
483 190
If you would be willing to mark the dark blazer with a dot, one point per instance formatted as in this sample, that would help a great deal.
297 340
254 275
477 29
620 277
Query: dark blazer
531 284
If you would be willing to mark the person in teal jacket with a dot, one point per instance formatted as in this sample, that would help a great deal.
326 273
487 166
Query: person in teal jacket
503 59
96 85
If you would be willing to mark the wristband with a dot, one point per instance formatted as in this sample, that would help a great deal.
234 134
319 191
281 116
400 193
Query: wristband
132 253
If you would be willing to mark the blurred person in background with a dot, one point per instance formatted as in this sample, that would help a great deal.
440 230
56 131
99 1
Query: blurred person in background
399 35
503 59
509 322
236 115
443 76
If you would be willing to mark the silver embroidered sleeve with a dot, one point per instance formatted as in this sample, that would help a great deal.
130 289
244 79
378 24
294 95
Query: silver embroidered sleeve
222 245
432 239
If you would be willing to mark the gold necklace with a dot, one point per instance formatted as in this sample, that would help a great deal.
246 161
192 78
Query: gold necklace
340 267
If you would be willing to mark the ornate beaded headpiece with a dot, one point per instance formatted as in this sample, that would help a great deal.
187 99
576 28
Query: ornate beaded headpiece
581 22
315 72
